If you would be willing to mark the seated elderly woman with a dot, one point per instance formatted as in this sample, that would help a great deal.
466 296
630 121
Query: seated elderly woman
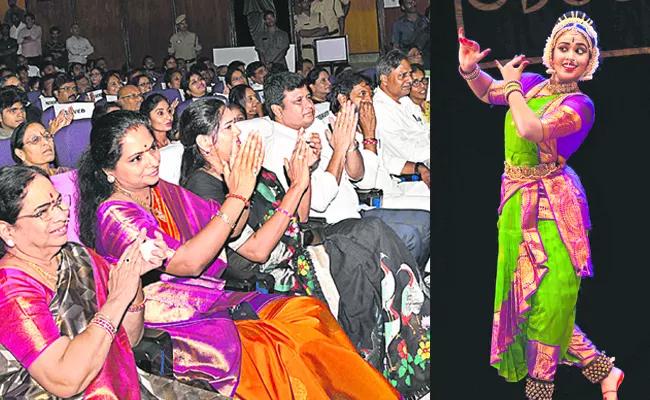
160 113
68 318
33 145
365 254
246 344
246 97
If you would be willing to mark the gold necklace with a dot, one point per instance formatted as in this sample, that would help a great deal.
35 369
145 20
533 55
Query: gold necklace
562 88
159 215
52 278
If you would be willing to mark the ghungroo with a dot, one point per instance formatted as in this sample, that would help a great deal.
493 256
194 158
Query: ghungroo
599 368
539 390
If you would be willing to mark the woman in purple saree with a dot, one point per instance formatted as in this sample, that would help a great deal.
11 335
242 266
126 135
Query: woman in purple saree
247 345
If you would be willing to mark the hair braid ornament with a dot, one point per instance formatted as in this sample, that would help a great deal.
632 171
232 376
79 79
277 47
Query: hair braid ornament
576 21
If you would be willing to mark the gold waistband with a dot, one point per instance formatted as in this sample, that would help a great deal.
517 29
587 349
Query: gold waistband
531 171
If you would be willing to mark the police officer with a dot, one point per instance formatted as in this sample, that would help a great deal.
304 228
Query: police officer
184 44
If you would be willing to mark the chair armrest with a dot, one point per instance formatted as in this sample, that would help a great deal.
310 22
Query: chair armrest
371 197
154 354
259 282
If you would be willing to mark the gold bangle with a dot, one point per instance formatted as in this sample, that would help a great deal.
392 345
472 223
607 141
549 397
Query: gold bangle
225 218
133 308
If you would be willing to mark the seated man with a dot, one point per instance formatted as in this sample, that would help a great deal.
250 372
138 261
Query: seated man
333 195
129 98
402 132
397 194
64 89
12 111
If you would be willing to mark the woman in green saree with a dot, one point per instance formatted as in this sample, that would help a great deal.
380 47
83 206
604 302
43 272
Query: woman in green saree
543 246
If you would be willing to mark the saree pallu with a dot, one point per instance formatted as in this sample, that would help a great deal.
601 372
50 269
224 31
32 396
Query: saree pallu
81 291
543 255
207 342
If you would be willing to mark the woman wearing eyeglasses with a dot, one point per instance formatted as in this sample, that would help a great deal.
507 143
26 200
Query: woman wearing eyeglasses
143 83
33 145
419 90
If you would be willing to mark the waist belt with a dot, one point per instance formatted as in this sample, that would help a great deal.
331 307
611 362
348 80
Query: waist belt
307 46
530 171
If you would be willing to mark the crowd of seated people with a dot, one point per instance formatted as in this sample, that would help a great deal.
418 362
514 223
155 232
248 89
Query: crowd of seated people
193 177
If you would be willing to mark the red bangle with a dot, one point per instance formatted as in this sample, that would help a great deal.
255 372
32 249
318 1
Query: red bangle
238 197
370 141
285 212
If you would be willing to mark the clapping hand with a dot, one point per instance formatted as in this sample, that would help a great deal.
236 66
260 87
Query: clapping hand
345 128
64 118
298 168
124 277
241 175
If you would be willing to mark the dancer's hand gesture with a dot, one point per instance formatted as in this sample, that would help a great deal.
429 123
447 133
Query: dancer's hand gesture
469 52
513 69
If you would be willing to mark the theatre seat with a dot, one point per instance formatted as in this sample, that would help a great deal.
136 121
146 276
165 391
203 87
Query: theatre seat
5 153
71 141
48 115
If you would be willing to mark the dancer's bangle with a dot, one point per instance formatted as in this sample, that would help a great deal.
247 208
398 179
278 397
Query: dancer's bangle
472 75
225 218
239 197
134 308
510 91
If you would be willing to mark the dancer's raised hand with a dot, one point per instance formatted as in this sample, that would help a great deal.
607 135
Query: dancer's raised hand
514 68
469 52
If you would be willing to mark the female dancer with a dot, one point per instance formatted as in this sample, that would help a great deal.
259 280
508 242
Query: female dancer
543 246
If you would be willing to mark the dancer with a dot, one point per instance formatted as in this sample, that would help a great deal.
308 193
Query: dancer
544 219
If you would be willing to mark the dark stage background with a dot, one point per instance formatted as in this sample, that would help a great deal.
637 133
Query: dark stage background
613 164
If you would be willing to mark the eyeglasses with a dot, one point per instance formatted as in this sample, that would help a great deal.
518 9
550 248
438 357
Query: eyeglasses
197 80
136 95
144 84
418 82
35 140
68 89
62 203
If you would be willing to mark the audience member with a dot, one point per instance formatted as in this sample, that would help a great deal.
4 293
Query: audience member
256 72
401 130
173 78
13 10
56 48
8 46
247 99
184 44
111 83
161 119
419 91
130 98
309 26
414 55
96 76
142 82
30 39
48 67
193 85
34 84
33 146
234 77
149 66
75 68
237 64
169 62
64 89
333 195
47 85
272 43
79 48
12 111
16 24
100 63
408 28
303 66
102 109
83 84
341 69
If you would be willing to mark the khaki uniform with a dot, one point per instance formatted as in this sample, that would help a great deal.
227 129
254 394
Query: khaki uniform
304 21
184 45
330 11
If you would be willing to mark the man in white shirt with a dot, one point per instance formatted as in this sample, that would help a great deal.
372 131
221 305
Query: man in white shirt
396 194
16 26
333 195
404 137
29 38
79 48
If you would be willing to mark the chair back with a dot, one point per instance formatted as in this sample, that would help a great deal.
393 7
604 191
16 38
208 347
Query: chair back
33 97
71 141
48 115
5 153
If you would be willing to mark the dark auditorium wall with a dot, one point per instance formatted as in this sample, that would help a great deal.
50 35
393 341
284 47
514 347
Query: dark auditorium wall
148 24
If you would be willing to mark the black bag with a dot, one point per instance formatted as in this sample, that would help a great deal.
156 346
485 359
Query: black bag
154 353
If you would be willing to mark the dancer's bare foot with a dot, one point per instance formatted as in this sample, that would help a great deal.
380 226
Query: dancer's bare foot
609 385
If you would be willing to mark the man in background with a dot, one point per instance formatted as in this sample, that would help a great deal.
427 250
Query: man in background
409 27
56 48
272 43
13 10
30 39
79 48
184 44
